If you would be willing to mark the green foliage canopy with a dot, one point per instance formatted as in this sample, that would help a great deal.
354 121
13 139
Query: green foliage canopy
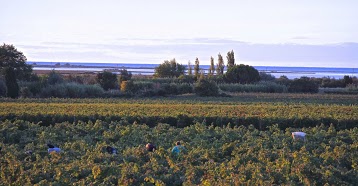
243 74
169 69
12 58
107 80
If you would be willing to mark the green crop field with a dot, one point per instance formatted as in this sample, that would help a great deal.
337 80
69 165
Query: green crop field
240 140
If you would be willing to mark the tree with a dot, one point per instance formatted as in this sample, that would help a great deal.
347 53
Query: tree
242 74
196 68
3 88
304 85
190 70
124 75
107 80
230 59
347 80
11 83
212 68
12 58
220 65
169 69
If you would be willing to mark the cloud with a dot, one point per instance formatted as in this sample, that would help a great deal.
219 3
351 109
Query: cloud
141 50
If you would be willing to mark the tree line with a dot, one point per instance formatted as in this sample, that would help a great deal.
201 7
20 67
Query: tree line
18 80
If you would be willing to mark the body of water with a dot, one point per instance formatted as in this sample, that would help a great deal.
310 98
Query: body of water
148 69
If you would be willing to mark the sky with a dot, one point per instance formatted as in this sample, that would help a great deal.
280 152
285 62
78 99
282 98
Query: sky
321 33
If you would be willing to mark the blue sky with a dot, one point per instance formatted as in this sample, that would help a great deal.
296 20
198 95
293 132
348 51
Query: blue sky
271 32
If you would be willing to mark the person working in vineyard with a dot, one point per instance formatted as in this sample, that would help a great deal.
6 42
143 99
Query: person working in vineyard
111 150
150 147
53 149
178 147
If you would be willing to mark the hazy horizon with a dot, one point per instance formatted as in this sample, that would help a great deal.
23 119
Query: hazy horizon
261 33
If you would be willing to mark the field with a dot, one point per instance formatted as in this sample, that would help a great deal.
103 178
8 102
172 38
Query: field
243 139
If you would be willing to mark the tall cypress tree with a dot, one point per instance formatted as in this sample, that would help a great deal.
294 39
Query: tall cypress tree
190 69
212 68
196 68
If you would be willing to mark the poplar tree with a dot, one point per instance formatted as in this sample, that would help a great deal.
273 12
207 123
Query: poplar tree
230 59
196 68
220 65
212 68
190 69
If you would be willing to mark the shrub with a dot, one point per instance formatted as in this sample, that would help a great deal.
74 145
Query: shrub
206 88
266 77
128 87
25 92
34 87
93 91
184 88
71 90
124 75
107 80
263 86
54 78
304 85
186 79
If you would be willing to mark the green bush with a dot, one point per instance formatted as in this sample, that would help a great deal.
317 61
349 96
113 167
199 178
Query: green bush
107 80
25 92
35 87
304 85
54 78
71 90
184 88
263 86
205 87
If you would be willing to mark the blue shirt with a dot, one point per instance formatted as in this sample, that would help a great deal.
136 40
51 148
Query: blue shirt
176 149
55 149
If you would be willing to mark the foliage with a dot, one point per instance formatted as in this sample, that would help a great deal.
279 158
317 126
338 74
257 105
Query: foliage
10 57
220 65
205 87
186 79
25 92
3 88
347 80
107 80
212 67
263 86
71 90
303 84
11 83
196 68
230 59
242 74
54 78
190 69
283 80
214 156
266 77
124 75
169 69
261 110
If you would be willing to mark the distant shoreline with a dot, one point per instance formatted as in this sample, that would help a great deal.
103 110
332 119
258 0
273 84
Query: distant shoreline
148 69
